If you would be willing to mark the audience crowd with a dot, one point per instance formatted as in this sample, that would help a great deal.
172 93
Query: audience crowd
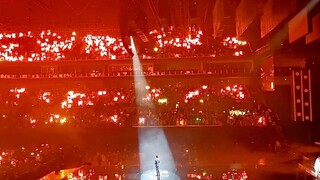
37 160
120 107
88 108
17 162
163 43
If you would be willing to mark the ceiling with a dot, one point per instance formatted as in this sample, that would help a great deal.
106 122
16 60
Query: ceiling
100 15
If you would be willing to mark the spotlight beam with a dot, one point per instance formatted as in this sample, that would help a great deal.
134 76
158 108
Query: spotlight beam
152 140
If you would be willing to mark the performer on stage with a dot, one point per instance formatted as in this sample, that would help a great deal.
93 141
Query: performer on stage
156 163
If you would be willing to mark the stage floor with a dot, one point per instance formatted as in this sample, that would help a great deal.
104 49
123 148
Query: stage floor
164 175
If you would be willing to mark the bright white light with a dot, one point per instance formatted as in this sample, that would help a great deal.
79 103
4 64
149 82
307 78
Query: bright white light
152 141
162 101
317 166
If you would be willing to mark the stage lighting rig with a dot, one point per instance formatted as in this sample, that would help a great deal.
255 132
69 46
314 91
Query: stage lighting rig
133 22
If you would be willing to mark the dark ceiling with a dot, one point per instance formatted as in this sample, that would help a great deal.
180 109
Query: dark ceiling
59 14
101 15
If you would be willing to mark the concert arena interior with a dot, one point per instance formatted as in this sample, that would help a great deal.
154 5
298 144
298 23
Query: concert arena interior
217 89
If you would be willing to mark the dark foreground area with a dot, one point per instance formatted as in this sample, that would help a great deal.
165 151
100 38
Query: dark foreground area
113 153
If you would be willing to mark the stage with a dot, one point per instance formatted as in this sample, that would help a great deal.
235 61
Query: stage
104 173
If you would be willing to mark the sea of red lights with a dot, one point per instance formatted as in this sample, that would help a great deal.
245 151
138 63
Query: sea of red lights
53 46
204 105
